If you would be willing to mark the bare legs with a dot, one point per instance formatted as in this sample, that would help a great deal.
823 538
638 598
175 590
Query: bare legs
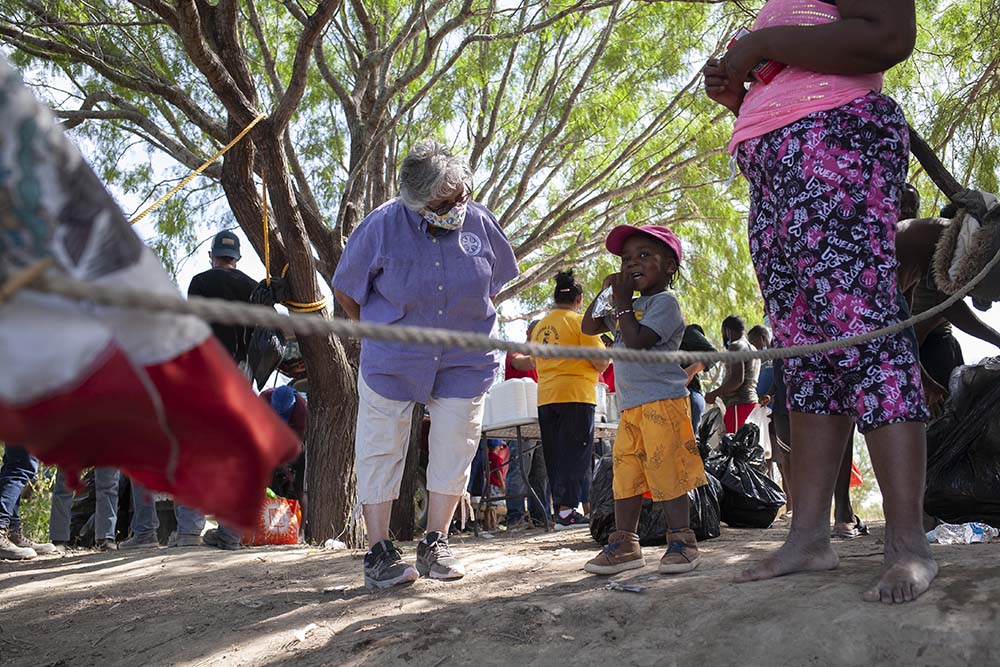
819 446
627 511
377 521
843 510
440 510
899 457
782 456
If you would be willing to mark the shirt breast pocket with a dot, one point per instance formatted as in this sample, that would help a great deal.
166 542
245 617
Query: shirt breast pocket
472 276
393 283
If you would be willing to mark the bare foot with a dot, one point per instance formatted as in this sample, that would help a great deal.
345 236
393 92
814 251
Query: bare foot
908 568
795 555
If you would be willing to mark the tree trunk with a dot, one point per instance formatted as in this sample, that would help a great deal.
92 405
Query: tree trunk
402 523
333 413
333 401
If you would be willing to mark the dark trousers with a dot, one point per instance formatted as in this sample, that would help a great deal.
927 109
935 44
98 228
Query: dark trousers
940 355
19 468
568 442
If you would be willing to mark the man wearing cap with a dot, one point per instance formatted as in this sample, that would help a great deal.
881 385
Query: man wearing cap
225 281
222 281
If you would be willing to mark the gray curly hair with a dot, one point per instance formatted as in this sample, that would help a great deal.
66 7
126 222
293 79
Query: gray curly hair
429 172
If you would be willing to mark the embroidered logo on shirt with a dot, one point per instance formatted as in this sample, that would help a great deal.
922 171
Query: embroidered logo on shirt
471 244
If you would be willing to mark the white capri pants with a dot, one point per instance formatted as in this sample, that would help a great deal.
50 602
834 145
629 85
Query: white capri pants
383 435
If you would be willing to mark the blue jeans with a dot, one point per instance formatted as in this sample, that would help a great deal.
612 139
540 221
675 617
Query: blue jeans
105 509
19 468
697 409
189 520
533 461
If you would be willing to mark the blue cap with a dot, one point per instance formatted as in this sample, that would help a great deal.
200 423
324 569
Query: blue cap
283 401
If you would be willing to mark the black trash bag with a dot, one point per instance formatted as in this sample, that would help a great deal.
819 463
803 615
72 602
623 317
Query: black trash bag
602 501
963 450
745 446
267 346
705 510
750 499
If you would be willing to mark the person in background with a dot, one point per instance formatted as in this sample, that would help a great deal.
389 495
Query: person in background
608 376
531 459
430 257
566 403
289 480
105 510
694 340
222 281
940 352
760 338
739 386
518 365
18 470
781 448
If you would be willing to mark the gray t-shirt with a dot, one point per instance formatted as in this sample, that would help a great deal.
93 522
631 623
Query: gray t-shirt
746 392
638 383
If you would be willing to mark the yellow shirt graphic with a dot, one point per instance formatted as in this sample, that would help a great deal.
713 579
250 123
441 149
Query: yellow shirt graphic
565 380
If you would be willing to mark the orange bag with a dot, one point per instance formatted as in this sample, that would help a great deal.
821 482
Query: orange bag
277 523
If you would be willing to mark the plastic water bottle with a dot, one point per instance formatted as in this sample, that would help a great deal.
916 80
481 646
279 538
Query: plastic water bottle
966 533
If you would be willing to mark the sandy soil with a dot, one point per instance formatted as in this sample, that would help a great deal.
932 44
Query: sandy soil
525 601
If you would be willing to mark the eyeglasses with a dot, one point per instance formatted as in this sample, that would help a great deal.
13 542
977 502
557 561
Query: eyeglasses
449 204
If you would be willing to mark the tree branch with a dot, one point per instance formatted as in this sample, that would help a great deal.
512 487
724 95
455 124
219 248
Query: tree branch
297 84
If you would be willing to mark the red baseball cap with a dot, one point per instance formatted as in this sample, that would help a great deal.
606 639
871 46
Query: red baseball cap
616 239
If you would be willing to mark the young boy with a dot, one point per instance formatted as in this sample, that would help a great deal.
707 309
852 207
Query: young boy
655 450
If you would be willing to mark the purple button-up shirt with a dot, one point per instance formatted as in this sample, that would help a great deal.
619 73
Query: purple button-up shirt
400 274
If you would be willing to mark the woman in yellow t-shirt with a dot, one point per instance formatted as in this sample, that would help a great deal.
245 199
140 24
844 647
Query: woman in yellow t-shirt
566 402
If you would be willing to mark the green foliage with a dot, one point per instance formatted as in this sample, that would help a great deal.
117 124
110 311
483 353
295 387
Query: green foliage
571 131
949 89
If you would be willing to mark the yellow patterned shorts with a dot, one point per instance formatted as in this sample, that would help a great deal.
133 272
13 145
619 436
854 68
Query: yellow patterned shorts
655 451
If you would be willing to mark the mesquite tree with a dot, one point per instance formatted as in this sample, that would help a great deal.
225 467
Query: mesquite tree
576 116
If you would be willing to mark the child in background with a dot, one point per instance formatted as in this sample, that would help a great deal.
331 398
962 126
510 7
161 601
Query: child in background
655 451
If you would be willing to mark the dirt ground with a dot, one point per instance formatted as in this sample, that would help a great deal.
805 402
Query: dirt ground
525 601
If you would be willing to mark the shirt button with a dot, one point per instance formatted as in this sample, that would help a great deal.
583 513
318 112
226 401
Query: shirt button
440 312
440 287
435 358
437 263
434 240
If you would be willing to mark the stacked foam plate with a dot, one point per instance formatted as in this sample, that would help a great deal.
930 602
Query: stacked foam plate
511 402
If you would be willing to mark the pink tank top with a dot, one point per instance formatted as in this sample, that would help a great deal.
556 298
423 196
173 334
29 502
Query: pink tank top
796 92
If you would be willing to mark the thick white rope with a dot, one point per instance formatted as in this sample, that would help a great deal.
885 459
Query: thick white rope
235 313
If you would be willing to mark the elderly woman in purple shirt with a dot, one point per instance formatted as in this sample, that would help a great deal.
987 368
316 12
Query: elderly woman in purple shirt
432 257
